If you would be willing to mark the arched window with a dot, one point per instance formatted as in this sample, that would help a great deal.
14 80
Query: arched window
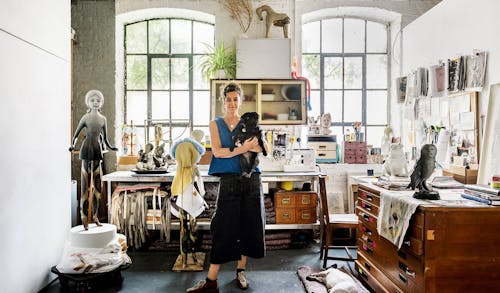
162 84
346 60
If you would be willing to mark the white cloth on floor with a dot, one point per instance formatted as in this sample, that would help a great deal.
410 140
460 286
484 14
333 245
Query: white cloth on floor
396 209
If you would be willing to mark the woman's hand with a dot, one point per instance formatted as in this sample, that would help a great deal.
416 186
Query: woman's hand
252 145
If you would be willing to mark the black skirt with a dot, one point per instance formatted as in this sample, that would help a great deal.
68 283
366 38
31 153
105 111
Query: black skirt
238 223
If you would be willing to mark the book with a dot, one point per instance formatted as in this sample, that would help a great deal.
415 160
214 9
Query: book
481 199
482 194
483 188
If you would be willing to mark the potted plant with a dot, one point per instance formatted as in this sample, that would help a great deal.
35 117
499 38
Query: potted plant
219 62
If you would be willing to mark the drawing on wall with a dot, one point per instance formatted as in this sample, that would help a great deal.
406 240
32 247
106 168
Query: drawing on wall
437 80
476 69
401 88
456 74
491 138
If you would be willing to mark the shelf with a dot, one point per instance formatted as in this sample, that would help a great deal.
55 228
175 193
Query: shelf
205 225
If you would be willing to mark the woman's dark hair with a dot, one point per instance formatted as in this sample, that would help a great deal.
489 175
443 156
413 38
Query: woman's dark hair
233 87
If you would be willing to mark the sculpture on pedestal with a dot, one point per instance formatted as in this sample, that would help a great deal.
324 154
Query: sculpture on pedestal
422 171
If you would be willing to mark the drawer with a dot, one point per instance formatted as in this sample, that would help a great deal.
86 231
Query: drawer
285 215
307 199
361 160
374 277
413 245
284 199
367 218
369 197
349 152
322 146
349 159
368 206
411 266
326 154
305 215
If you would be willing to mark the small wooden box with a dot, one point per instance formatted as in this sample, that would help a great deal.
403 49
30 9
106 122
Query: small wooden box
284 199
305 215
461 174
285 215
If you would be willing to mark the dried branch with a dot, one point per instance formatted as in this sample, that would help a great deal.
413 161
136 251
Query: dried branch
242 11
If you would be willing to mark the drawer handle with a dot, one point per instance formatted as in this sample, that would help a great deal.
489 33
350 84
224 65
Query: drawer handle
403 278
322 147
410 273
285 200
321 155
286 215
306 215
365 248
363 274
368 266
367 218
367 206
306 199
368 231
407 242
372 243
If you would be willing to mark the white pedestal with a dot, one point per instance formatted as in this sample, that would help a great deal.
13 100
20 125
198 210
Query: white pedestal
94 237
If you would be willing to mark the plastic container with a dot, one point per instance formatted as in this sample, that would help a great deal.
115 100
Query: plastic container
282 116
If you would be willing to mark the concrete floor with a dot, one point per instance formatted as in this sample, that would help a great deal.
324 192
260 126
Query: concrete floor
151 272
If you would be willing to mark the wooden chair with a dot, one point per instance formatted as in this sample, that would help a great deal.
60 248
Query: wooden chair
329 223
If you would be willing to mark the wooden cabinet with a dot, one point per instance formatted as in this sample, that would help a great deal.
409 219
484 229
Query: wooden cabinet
446 249
278 101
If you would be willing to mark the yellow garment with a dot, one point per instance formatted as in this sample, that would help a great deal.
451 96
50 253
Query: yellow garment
186 156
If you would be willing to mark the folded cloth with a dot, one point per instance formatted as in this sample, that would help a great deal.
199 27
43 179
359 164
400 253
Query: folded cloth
396 209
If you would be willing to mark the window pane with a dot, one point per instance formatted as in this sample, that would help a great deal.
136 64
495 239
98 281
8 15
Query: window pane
198 81
160 73
376 107
135 41
333 105
136 72
180 103
310 37
203 33
201 104
353 76
180 73
137 107
181 36
158 36
160 107
333 72
354 35
374 135
337 130
180 133
315 105
331 36
376 37
352 106
376 71
310 69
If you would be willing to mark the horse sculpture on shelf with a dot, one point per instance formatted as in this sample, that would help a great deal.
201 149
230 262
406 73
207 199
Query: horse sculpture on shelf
273 18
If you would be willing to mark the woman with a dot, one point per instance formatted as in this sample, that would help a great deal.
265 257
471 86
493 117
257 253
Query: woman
91 155
237 226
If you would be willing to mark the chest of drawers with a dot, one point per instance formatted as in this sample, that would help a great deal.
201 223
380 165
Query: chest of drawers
445 249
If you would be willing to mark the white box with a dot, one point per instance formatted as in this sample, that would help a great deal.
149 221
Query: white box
263 58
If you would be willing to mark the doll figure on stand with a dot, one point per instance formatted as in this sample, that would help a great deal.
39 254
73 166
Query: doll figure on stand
91 154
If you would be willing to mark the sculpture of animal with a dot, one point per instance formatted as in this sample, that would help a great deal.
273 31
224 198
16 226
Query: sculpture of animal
396 164
273 18
335 281
424 168
248 128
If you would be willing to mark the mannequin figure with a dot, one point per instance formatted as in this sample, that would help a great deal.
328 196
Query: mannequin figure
91 154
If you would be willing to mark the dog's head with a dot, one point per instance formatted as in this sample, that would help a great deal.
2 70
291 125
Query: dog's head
319 277
250 120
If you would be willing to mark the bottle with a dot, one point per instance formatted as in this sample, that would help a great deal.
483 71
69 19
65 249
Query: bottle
207 142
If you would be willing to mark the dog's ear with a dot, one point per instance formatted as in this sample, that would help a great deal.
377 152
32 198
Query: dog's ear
320 276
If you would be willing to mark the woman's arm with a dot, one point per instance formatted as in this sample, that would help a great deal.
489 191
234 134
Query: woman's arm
105 136
79 128
219 151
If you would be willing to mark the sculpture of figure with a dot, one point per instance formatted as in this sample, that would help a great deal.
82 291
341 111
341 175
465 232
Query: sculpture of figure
422 171
386 141
396 164
91 154
273 18
146 158
325 122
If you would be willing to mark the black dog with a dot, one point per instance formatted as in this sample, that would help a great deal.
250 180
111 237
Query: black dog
248 128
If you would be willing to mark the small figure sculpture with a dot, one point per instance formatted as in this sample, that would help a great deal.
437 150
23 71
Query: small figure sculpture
273 18
146 158
396 164
423 170
325 123
91 154
386 141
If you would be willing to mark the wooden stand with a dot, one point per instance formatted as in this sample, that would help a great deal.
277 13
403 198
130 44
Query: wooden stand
192 265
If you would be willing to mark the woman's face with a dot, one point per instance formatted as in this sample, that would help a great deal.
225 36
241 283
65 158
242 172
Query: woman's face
232 102
95 102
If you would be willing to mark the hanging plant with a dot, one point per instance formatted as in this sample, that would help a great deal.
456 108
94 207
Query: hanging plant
218 58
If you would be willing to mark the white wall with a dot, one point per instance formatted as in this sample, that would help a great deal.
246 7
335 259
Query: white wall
35 213
455 27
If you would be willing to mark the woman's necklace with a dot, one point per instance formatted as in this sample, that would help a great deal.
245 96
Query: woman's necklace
231 124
